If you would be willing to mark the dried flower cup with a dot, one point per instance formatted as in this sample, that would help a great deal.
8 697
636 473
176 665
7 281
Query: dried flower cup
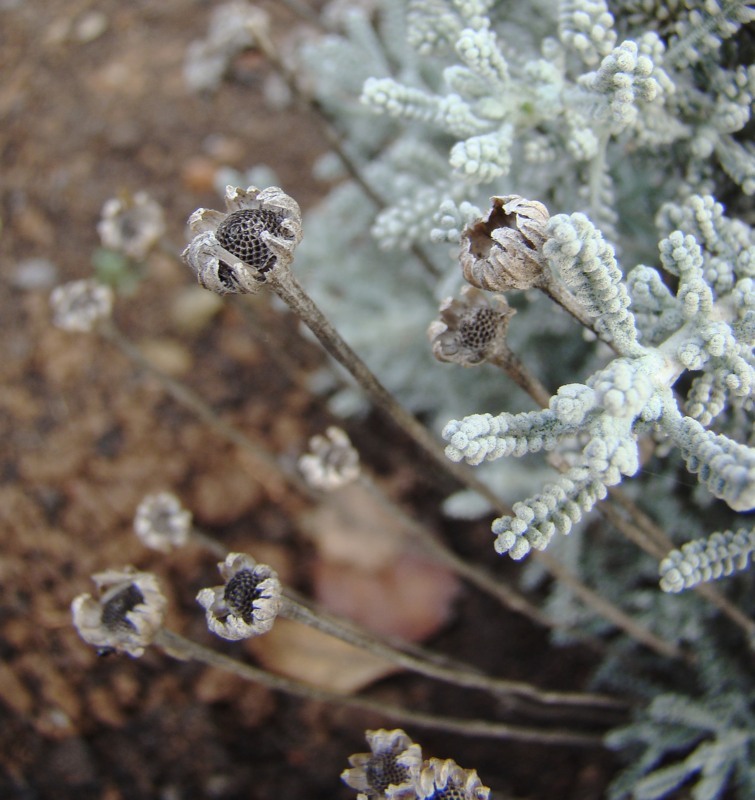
389 770
332 461
131 225
248 602
446 779
503 251
471 329
80 305
233 252
127 614
161 522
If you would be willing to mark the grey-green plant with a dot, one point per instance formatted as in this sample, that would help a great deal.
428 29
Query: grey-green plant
629 119
629 317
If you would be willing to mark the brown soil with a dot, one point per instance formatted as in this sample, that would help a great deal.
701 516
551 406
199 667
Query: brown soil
86 435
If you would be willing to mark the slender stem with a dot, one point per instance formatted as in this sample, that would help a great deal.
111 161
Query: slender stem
176 646
557 292
288 288
208 543
512 365
537 702
284 283
274 477
270 474
552 288
443 554
605 608
301 304
458 675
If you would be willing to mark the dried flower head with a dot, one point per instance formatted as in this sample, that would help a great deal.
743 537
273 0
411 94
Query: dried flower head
471 329
503 252
234 252
446 780
131 225
127 614
388 770
230 32
80 305
247 604
161 522
332 461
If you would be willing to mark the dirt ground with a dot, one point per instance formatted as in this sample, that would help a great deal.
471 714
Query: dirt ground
93 103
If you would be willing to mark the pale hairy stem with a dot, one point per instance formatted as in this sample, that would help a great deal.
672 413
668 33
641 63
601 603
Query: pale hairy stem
458 675
287 287
597 172
176 646
270 474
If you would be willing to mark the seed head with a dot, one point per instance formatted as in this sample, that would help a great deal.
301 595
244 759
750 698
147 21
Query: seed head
247 604
471 329
240 234
235 252
230 32
503 252
332 461
161 522
127 614
446 780
388 770
131 225
80 305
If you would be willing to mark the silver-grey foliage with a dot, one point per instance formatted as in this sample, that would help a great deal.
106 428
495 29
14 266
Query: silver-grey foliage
627 120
